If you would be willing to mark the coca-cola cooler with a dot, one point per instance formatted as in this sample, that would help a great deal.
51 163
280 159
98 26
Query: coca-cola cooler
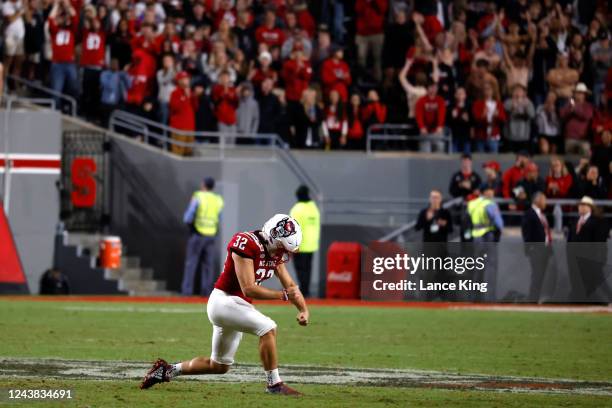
343 270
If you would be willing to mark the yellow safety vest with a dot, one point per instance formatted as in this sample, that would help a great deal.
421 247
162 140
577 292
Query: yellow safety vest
208 211
307 215
481 224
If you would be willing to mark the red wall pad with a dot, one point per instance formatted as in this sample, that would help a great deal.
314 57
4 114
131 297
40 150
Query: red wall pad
343 270
12 278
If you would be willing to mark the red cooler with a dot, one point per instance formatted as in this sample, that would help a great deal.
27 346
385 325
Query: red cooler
343 270
110 252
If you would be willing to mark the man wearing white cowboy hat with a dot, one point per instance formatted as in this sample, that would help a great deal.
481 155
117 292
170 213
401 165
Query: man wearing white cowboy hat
577 115
587 253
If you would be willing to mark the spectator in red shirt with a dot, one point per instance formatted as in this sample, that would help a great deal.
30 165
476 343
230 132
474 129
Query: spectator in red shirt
559 180
183 106
296 75
93 51
374 112
489 116
335 125
513 175
63 23
141 78
430 114
225 98
335 74
268 33
370 20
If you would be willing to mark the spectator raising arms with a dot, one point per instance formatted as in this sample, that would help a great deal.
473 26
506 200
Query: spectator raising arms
63 25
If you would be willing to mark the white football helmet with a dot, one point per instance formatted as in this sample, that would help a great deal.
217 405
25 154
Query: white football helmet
283 232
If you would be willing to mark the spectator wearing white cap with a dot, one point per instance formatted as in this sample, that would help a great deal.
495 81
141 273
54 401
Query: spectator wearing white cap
577 116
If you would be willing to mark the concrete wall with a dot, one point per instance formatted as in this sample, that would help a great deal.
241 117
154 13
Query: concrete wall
34 200
151 189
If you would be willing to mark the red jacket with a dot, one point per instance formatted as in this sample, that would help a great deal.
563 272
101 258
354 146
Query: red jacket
259 76
182 110
271 36
483 129
93 49
226 103
296 78
564 184
510 179
336 75
374 112
430 113
370 16
142 72
63 40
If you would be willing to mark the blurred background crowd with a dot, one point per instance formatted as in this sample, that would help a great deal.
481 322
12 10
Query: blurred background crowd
505 75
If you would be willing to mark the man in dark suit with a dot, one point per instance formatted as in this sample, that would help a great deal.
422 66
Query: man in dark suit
538 239
587 253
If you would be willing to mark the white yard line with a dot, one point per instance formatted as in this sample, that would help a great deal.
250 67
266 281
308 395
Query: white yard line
133 371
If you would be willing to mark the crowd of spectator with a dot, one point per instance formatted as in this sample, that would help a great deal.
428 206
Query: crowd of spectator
519 183
496 75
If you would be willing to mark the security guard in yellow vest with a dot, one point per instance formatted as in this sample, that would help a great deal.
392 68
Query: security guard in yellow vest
306 213
202 216
486 218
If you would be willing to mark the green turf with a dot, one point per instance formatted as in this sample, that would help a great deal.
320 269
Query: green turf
180 394
558 345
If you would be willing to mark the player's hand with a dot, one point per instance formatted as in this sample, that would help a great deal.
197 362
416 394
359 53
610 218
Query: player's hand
302 318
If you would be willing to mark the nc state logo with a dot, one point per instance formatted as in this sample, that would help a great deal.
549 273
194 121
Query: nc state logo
284 228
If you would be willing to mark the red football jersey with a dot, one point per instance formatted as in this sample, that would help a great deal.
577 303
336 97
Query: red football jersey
248 245
63 40
94 48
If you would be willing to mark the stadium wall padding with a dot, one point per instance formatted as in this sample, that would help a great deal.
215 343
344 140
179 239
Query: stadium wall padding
34 199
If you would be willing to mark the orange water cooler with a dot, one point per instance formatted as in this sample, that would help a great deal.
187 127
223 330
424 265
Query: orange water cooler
110 252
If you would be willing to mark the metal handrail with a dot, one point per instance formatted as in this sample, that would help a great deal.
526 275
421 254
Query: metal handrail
134 122
71 100
384 136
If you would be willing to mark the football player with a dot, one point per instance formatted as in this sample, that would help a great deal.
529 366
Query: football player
252 258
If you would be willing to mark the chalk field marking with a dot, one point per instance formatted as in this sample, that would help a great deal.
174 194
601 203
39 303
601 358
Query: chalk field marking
133 371
492 308
539 308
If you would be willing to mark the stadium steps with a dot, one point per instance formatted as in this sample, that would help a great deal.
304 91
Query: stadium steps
130 277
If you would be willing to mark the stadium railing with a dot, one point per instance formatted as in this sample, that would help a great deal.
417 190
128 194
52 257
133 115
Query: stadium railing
40 89
397 136
559 212
219 143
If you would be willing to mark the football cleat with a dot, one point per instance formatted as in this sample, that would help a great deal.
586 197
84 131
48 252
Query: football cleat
157 374
282 389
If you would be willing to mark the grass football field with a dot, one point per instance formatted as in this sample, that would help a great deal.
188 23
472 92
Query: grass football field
347 356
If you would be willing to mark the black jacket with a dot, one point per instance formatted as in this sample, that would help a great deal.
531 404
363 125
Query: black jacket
441 233
457 191
595 229
532 228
